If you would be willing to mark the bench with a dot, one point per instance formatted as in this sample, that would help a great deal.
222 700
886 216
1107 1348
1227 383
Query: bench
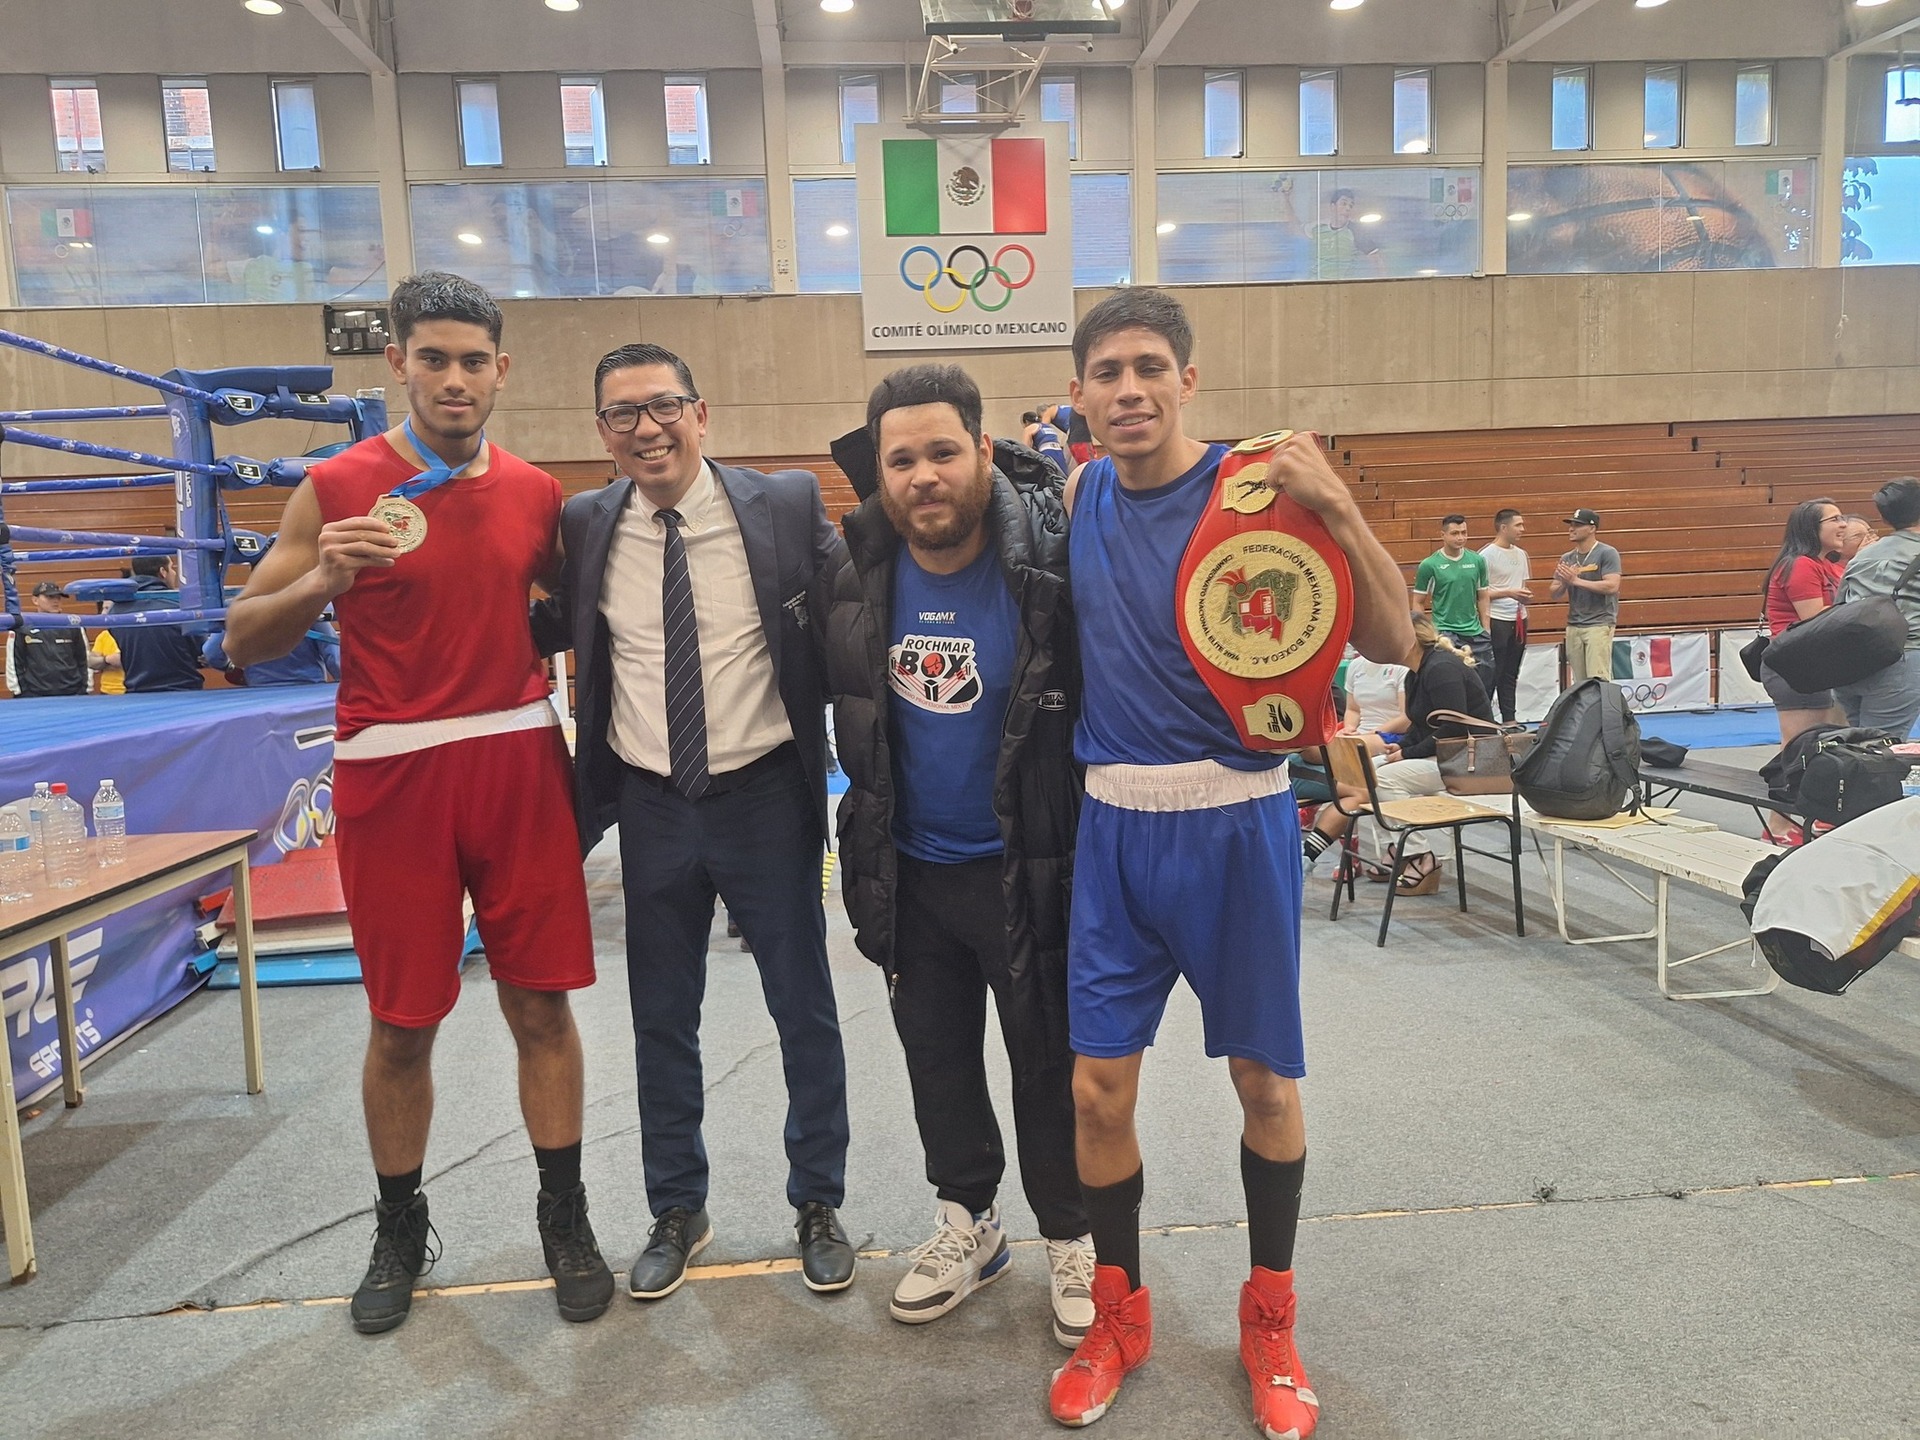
1719 782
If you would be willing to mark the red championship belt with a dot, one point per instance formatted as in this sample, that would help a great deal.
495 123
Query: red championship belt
1265 605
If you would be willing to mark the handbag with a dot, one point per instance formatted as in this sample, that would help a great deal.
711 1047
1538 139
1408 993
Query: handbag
1481 763
1845 643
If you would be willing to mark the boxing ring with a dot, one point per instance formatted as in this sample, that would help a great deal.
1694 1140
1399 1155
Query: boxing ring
242 759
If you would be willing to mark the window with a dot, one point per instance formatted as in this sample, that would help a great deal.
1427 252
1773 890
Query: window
826 236
859 105
1753 105
189 122
1903 105
1102 229
296 125
959 94
1225 118
688 142
1413 112
77 141
583 120
1663 107
1319 112
479 122
1060 100
1573 108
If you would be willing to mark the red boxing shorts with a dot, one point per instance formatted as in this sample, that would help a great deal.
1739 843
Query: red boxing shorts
491 817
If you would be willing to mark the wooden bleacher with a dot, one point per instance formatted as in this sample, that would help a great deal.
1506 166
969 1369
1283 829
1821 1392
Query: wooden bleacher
1696 508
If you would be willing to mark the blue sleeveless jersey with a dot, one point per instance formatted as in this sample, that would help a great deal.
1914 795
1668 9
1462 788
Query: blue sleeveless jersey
1142 701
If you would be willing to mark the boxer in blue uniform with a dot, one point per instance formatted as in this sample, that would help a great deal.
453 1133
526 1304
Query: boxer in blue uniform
1188 858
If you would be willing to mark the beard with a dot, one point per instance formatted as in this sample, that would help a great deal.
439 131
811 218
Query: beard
969 504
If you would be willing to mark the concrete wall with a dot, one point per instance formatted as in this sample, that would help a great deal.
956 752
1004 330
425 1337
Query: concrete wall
785 374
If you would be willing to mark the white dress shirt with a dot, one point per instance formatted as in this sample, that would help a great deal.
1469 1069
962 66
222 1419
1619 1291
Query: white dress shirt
745 718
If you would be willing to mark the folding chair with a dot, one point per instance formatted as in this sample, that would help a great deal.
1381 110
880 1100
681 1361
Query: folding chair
1352 768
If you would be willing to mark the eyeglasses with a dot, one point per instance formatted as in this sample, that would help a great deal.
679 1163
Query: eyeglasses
665 409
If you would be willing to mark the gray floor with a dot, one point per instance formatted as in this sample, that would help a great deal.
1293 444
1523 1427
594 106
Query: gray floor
1542 1201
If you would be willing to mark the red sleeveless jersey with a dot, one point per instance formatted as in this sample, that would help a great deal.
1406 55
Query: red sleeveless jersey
444 632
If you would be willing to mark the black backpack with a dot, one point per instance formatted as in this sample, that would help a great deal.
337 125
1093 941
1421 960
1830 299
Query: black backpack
1788 768
1797 961
1585 764
1848 776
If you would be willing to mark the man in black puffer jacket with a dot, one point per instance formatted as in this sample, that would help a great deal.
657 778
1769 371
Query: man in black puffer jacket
952 664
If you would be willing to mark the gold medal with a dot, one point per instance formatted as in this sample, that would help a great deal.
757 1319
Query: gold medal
406 520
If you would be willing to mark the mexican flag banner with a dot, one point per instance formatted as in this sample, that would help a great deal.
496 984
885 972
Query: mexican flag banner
965 185
1664 672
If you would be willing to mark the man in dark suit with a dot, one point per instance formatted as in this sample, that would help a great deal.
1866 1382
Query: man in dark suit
688 596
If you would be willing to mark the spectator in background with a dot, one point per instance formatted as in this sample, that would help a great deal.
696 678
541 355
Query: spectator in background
1507 594
314 661
1890 699
106 651
49 661
1803 581
157 657
1451 586
1857 534
1589 576
1045 440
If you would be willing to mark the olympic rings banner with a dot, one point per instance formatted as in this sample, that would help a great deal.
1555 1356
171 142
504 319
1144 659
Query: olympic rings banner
1665 672
966 238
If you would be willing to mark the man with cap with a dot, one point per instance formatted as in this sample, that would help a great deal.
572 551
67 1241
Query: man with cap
1588 575
48 661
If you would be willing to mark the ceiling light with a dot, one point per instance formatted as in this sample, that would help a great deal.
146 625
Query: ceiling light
1372 217
1869 4
1345 5
565 7
836 7
1429 272
264 7
659 239
1520 217
263 229
1165 227
467 237
1648 4
837 232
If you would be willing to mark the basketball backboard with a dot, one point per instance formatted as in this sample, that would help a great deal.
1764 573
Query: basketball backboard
1018 19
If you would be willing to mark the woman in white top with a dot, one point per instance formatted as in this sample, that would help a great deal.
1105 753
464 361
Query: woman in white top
1376 702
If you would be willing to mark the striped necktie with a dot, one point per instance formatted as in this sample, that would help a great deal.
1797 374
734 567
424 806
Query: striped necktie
686 703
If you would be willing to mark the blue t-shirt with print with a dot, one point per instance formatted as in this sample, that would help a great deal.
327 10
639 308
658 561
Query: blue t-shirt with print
950 657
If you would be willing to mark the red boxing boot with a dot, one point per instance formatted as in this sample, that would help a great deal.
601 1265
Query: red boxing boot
1283 1406
1118 1342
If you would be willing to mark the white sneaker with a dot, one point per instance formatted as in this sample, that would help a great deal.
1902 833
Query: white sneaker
1071 1262
963 1254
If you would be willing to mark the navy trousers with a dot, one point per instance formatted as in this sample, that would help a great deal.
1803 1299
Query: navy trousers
754 842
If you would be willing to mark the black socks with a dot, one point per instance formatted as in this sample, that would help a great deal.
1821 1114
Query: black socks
1316 844
1273 1206
1113 1217
399 1189
559 1167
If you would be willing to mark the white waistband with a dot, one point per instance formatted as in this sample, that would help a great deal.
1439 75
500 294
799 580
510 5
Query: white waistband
1196 785
378 742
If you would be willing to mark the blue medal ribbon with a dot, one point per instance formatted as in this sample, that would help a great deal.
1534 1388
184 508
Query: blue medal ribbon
437 473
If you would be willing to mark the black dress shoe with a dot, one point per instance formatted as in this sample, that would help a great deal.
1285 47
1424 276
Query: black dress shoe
826 1255
676 1238
582 1283
401 1255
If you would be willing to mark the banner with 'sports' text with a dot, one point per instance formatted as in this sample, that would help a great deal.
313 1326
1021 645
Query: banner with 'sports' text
965 238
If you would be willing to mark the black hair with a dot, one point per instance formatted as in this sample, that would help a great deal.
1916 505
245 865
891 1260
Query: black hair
1898 502
150 564
437 295
630 357
1802 537
1502 516
926 385
1029 417
1341 194
1137 308
1446 520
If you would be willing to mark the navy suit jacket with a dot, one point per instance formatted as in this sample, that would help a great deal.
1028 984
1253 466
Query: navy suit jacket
793 553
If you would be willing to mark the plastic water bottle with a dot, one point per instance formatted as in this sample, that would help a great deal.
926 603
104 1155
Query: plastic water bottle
37 807
109 825
66 840
1910 787
17 860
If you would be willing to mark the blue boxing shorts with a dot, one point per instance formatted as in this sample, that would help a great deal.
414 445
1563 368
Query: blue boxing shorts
1187 870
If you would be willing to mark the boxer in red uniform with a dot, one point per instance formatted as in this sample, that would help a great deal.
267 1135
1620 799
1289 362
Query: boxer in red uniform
451 776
